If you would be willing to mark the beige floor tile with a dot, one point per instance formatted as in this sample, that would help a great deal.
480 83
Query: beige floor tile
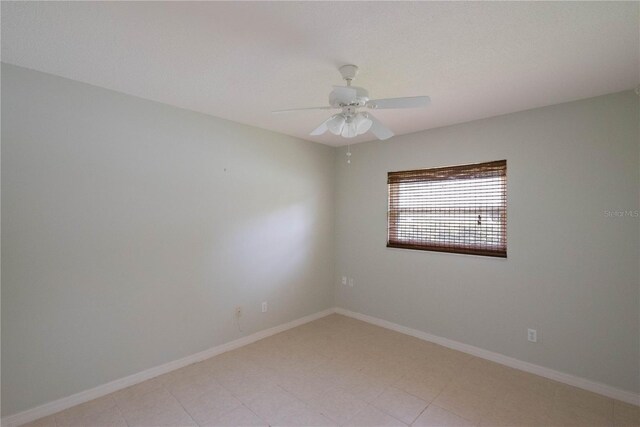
349 355
520 407
137 390
206 367
471 399
385 370
453 357
203 368
49 421
515 419
570 418
224 363
534 383
484 377
241 416
161 417
363 386
271 345
317 379
440 362
275 405
435 416
249 381
189 388
306 386
371 416
157 407
304 357
174 375
76 415
337 404
333 371
626 415
400 404
250 394
304 417
574 402
153 399
110 417
211 405
486 369
426 384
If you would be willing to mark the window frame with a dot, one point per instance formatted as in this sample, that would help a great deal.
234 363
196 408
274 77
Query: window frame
496 168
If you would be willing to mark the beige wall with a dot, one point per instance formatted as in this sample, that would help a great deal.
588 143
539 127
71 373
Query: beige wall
131 230
571 272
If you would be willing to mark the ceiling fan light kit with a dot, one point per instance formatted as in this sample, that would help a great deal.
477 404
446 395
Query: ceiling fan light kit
350 122
346 125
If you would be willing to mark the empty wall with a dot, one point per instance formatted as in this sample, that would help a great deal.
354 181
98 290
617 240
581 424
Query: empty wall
131 230
571 271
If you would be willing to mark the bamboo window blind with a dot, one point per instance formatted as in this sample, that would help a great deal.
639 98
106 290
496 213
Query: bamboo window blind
461 209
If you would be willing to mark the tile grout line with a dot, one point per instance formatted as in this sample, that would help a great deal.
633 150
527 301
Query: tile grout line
242 402
205 392
306 404
252 411
180 403
429 403
422 412
411 394
393 416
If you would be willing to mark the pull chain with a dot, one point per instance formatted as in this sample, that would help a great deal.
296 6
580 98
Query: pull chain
349 154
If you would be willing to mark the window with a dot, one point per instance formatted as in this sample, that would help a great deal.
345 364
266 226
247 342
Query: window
460 209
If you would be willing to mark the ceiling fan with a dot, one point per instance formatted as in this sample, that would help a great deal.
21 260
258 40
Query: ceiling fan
352 122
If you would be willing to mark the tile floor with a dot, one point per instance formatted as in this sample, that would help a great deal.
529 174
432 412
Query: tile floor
341 371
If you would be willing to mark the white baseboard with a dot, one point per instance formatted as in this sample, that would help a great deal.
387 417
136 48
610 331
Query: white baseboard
102 390
596 387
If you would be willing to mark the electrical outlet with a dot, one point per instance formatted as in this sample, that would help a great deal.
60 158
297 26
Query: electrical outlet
239 311
264 307
532 335
344 280
351 282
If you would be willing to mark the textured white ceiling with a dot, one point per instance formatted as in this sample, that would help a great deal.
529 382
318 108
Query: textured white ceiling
241 60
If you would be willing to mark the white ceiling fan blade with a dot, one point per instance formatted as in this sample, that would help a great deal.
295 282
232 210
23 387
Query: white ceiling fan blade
378 129
293 110
320 129
409 102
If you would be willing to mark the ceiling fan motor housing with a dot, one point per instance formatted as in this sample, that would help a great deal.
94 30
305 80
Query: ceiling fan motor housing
339 97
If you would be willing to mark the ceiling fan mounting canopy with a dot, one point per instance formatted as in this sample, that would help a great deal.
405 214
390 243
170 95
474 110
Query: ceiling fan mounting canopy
351 122
348 72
